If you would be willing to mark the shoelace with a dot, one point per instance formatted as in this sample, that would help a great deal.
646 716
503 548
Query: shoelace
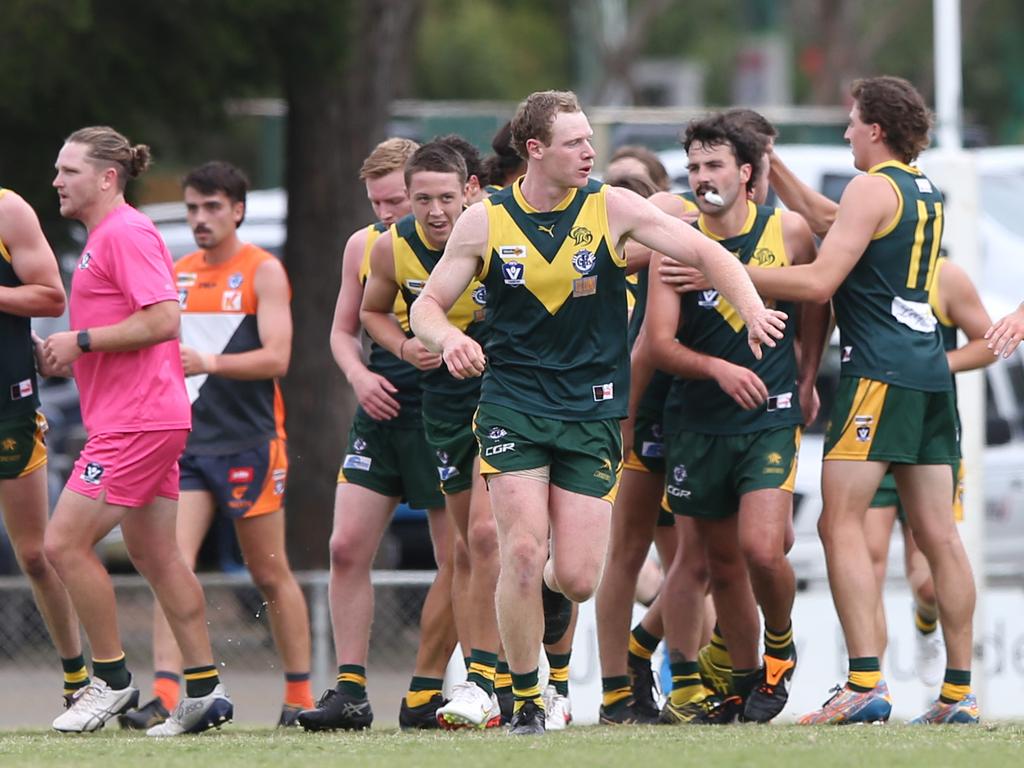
835 690
91 692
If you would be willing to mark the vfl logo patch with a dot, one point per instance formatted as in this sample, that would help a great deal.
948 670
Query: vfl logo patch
183 298
863 427
235 281
352 461
708 299
513 272
447 473
92 473
583 261
581 236
84 262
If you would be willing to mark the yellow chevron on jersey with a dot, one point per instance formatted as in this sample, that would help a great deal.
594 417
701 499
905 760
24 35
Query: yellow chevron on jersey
555 277
400 309
414 261
770 251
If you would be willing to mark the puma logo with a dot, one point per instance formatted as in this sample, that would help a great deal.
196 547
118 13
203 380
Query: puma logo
548 230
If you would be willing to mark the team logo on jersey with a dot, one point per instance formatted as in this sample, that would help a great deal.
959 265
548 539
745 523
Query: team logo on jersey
92 473
863 427
187 279
359 445
708 299
480 295
604 392
583 261
84 262
231 301
763 257
443 457
496 433
774 462
512 251
8 444
235 281
514 273
415 286
241 474
581 236
679 475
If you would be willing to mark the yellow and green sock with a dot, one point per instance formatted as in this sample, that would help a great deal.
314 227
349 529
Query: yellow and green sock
865 673
352 680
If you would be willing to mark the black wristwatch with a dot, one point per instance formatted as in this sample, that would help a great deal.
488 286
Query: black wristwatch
84 342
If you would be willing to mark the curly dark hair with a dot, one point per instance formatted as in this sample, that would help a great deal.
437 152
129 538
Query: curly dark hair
898 108
717 130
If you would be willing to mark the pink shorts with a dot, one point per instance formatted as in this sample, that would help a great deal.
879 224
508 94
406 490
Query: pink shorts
132 468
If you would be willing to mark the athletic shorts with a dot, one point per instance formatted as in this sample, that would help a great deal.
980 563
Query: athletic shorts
392 461
22 445
887 496
132 468
244 484
875 421
648 453
707 474
665 518
584 456
454 446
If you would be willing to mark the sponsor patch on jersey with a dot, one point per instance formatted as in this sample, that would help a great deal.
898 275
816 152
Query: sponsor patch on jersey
235 280
708 299
780 402
93 473
584 286
187 279
21 390
415 286
512 251
604 392
241 474
583 261
652 450
924 186
231 301
916 315
352 461
494 450
514 273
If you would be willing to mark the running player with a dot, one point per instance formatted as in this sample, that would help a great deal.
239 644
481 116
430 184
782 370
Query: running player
123 348
387 459
236 334
30 286
546 250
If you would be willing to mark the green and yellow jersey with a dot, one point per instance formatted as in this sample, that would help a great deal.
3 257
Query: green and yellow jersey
886 325
401 374
19 391
444 397
713 326
556 291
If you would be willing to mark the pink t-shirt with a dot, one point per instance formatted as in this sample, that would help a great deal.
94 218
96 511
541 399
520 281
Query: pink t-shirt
125 267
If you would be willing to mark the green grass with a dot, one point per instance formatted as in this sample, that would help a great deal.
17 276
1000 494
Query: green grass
628 747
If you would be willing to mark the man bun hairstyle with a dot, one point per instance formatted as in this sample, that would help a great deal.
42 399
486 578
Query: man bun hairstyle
108 147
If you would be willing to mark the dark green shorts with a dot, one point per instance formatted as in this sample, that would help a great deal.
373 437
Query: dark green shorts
392 461
455 447
875 421
22 445
584 456
648 454
707 474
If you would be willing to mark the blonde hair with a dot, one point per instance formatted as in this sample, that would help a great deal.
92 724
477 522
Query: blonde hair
108 146
387 157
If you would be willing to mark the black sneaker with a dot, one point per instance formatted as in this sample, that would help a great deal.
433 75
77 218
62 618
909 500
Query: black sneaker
506 703
625 712
337 710
557 614
709 710
528 721
769 696
289 716
149 714
644 686
423 717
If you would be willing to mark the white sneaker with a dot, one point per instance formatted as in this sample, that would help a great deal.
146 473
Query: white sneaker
94 705
558 710
929 656
469 707
197 714
494 716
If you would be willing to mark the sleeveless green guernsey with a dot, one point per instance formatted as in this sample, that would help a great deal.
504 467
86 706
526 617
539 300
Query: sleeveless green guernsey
401 374
556 293
19 390
444 397
887 327
712 326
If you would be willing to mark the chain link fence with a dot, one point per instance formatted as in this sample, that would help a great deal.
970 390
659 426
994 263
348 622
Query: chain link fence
30 674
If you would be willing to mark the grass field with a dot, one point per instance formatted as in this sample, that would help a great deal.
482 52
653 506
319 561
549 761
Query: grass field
632 747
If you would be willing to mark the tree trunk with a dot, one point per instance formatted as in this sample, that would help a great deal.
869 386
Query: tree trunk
338 103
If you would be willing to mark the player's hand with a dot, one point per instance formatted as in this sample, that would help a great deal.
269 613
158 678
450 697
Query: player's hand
374 394
741 384
1006 333
61 349
764 328
416 354
463 356
195 362
43 365
810 401
682 279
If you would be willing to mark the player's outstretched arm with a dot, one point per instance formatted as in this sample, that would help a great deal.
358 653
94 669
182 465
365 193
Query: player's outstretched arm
429 314
818 210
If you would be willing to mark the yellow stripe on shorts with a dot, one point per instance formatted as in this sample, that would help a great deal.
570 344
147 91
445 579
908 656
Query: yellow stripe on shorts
862 422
